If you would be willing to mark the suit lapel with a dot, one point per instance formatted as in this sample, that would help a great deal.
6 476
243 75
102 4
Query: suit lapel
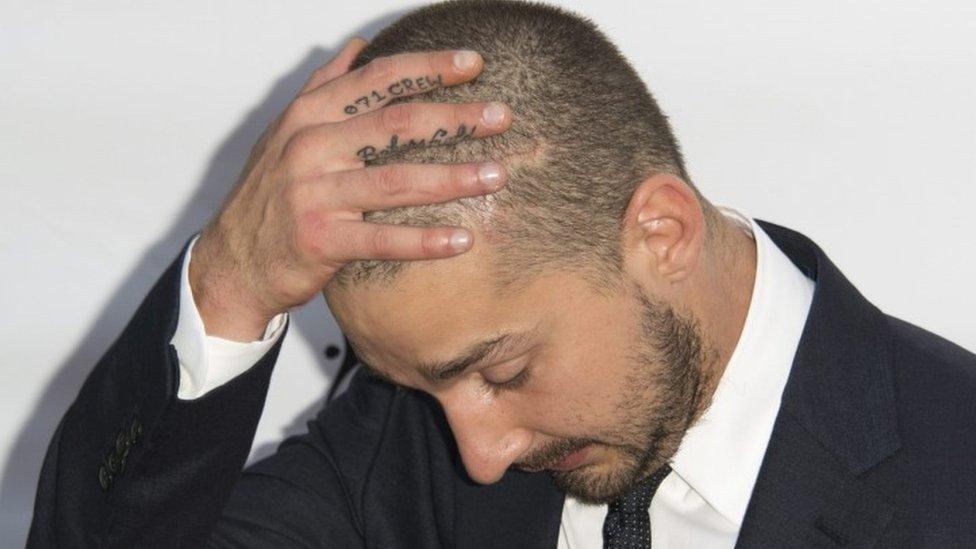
836 420
805 497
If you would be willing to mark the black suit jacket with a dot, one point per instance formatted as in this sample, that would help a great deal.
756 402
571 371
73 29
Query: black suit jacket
874 445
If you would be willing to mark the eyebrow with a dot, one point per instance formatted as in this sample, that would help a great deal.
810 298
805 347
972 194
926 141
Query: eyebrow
476 353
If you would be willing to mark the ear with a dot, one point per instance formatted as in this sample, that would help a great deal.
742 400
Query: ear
664 228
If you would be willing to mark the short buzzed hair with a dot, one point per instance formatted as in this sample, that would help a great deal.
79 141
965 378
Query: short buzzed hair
585 133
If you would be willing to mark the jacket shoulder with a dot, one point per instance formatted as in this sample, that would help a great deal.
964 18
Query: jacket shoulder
932 360
932 477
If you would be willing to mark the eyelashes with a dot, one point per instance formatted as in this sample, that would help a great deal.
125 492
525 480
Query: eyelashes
511 384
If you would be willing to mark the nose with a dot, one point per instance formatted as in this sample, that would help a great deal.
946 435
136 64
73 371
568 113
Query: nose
488 440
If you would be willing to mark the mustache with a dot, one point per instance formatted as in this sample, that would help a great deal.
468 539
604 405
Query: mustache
550 454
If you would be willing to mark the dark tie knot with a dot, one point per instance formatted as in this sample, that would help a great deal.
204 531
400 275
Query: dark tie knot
628 524
638 499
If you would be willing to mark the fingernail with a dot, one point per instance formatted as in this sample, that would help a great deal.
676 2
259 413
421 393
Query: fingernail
494 114
465 60
490 175
460 240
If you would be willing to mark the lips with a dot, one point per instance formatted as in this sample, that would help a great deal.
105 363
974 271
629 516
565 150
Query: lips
572 460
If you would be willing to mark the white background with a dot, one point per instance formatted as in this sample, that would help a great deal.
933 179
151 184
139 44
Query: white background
123 125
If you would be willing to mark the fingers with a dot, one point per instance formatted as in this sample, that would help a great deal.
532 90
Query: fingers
375 84
395 128
338 66
340 120
355 240
384 187
341 239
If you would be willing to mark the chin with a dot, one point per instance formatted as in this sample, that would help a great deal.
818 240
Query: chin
602 480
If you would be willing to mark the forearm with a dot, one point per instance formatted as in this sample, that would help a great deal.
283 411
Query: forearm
177 474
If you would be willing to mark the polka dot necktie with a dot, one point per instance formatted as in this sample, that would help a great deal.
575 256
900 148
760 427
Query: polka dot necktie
628 522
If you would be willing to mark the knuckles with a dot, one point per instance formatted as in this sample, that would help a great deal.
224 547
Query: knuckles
309 230
298 110
381 241
452 181
297 197
398 118
428 244
322 74
433 242
378 70
302 144
392 180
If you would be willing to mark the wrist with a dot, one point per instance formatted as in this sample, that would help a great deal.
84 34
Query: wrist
226 306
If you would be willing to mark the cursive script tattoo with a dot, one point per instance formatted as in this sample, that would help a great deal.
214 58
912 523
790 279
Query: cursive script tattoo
440 137
395 89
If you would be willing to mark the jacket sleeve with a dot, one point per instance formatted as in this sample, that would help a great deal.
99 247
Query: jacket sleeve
293 498
207 361
130 464
310 492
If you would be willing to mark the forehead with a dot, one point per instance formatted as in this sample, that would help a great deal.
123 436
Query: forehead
431 305
437 308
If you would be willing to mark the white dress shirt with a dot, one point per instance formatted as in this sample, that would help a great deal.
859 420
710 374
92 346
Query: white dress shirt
702 502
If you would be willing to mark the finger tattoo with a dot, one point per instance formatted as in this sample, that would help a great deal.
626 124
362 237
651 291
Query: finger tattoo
397 88
439 137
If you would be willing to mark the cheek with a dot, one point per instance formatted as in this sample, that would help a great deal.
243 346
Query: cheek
595 379
580 400
591 372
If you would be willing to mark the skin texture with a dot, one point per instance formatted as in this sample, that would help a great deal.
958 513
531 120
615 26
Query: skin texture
625 375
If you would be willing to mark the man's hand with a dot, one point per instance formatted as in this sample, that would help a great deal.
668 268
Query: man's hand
295 216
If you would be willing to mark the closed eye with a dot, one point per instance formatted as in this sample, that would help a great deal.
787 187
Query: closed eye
511 384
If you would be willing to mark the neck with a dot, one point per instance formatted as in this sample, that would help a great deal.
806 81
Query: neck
729 284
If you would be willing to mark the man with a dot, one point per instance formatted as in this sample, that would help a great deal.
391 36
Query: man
606 360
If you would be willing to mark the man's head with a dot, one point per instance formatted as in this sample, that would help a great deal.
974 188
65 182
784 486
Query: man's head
600 258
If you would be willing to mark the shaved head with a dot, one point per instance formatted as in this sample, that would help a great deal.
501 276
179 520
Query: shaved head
586 132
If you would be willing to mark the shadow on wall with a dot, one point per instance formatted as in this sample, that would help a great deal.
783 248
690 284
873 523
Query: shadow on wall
19 480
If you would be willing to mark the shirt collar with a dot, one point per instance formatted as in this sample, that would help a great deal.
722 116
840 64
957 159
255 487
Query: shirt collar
720 456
